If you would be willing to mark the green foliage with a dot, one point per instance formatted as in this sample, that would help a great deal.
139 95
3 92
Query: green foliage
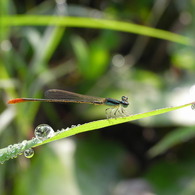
106 49
179 174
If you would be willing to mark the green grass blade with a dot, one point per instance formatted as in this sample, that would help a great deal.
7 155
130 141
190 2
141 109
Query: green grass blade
173 138
13 150
110 122
23 20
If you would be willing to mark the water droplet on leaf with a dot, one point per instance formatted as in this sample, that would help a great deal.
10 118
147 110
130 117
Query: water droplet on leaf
43 132
67 129
73 126
29 153
193 106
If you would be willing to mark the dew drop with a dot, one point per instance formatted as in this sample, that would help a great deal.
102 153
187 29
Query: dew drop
193 106
24 143
73 126
29 153
57 132
10 147
43 132
62 130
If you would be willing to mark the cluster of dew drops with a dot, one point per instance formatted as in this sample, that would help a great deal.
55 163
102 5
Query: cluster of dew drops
42 132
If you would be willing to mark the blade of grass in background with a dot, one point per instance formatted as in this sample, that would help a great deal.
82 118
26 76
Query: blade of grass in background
50 40
173 138
23 20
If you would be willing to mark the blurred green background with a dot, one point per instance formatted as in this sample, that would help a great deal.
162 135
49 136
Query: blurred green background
153 73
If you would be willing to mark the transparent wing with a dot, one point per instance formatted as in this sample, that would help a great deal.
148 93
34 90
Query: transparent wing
67 96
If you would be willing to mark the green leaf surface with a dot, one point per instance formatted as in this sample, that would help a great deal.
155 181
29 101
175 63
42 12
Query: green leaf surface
110 122
13 150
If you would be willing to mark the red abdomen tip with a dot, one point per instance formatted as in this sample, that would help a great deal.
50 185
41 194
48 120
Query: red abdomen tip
15 101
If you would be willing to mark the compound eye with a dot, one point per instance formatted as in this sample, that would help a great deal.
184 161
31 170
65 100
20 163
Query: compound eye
124 98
